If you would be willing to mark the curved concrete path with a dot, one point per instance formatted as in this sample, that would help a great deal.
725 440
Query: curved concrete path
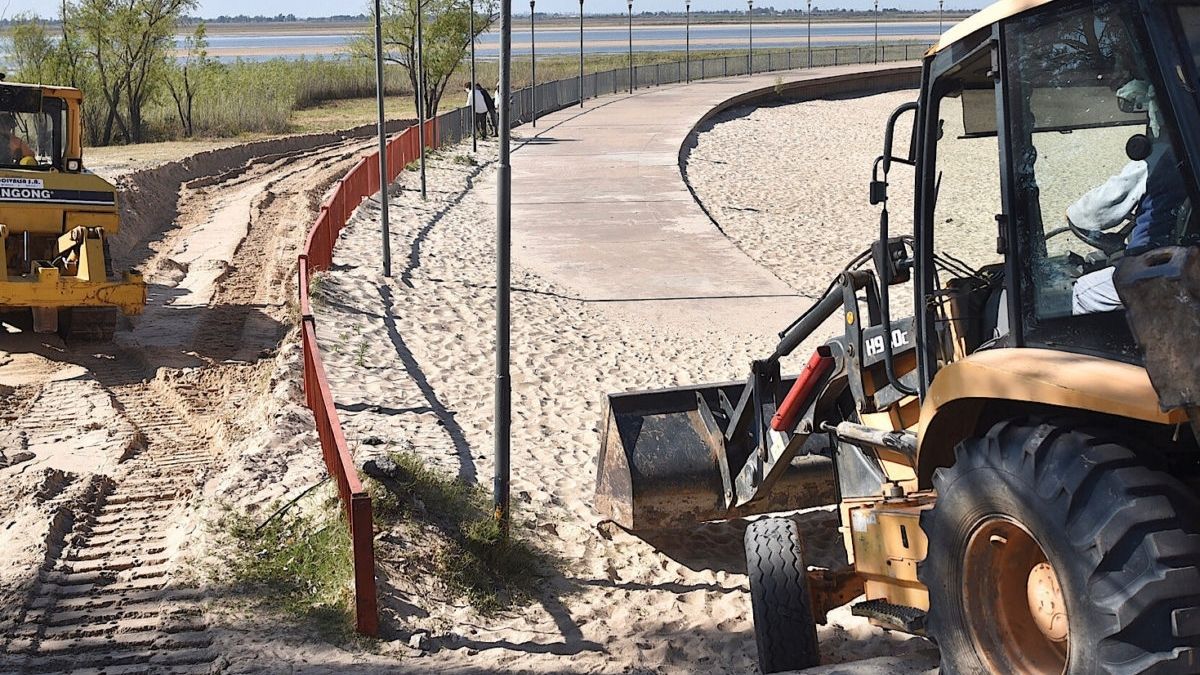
600 207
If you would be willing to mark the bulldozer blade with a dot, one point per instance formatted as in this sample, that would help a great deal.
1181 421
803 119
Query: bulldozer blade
660 467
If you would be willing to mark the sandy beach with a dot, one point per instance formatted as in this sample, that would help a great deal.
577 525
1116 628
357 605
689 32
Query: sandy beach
410 359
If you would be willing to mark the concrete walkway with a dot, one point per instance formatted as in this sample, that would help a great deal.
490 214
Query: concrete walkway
600 207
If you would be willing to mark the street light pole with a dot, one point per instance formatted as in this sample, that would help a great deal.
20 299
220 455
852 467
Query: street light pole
630 46
687 40
384 178
532 68
503 412
876 31
941 4
474 82
750 17
580 53
421 91
809 13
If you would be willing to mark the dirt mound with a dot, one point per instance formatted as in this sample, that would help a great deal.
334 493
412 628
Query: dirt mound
149 198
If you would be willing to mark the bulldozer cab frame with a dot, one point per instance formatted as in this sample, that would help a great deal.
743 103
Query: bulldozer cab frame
1028 78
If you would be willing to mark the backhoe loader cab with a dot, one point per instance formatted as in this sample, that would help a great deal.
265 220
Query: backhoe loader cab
55 219
1016 466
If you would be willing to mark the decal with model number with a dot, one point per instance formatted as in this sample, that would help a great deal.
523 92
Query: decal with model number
874 345
43 195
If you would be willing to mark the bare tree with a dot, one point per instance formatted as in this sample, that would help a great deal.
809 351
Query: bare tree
185 79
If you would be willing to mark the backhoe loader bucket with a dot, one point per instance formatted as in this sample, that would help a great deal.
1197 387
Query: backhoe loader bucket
660 467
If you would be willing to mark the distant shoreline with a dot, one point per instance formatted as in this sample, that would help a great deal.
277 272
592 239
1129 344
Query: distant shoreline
593 21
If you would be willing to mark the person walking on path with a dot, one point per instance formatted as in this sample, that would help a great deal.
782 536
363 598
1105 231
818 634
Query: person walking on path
491 108
477 102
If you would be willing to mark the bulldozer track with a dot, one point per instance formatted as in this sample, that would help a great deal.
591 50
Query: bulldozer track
110 596
109 599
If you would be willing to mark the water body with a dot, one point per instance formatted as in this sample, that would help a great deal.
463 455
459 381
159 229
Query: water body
565 40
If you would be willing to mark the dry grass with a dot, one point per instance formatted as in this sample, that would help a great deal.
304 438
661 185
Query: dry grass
345 114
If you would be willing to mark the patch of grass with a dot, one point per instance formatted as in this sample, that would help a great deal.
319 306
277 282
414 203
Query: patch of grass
338 114
318 287
474 560
465 160
298 560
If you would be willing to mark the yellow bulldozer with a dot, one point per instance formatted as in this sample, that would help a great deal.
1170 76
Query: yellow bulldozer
55 218
1015 466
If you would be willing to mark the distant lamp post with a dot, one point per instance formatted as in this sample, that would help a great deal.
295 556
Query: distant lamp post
941 6
876 31
687 40
580 53
474 82
384 178
630 45
421 112
750 18
532 67
809 13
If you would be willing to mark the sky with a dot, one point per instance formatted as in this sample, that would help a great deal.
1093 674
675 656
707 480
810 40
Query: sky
309 8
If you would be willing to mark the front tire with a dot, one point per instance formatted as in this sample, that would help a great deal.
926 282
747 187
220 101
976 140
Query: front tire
1054 549
784 627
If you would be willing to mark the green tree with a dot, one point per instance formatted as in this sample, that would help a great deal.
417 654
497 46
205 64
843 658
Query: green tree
445 34
32 52
129 42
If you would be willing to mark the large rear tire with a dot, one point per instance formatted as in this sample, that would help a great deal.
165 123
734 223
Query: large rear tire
784 627
1054 549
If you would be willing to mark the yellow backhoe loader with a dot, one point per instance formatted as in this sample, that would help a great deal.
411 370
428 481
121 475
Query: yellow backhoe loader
1016 465
55 218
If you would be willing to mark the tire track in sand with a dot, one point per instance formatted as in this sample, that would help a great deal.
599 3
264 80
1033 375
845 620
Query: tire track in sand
111 598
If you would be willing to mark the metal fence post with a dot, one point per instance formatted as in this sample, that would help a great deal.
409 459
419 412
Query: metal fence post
726 66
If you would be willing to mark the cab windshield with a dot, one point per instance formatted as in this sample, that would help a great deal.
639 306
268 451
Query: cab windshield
1098 167
31 129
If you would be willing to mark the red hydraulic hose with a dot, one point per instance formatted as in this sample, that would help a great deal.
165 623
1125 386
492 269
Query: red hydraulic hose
797 399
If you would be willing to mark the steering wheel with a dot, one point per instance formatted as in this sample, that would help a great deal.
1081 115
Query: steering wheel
1110 243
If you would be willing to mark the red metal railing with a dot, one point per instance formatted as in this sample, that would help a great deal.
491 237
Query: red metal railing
361 182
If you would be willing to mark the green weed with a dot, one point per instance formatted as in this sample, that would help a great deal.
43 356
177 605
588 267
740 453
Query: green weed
298 560
474 560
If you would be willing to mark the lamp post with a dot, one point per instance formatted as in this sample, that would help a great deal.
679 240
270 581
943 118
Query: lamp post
750 55
503 412
687 40
941 4
532 68
876 31
474 82
630 46
809 13
580 53
384 178
421 91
